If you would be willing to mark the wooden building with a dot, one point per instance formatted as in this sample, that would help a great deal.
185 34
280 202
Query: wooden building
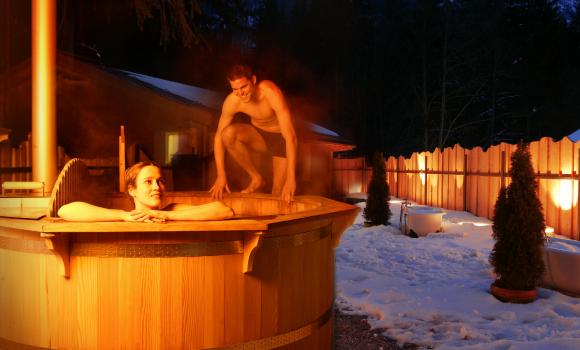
169 122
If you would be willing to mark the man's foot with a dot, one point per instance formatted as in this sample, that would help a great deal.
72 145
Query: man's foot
254 185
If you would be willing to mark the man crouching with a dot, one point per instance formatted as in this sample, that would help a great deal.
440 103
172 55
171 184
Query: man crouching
270 131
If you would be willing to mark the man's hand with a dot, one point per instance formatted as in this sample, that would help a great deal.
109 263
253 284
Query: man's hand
288 190
217 190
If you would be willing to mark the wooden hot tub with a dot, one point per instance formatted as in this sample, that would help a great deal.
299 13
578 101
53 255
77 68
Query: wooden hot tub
258 283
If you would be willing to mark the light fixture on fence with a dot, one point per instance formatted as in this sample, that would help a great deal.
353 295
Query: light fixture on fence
549 231
563 194
355 187
421 166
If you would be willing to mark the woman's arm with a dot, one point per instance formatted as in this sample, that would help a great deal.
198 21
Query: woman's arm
82 211
209 211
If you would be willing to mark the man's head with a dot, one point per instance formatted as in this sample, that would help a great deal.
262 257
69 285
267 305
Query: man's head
240 71
242 81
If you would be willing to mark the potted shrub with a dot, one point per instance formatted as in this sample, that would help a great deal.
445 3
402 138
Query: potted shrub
377 211
518 231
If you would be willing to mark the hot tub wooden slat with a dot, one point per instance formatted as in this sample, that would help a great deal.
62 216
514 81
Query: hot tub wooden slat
252 307
108 330
233 299
171 337
193 271
291 305
213 311
268 266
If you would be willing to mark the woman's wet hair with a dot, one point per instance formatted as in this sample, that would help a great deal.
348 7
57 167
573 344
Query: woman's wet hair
240 71
132 173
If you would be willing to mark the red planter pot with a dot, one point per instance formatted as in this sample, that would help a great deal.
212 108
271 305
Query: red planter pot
512 295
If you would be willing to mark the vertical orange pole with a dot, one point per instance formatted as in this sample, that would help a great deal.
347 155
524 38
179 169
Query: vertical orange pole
44 167
122 159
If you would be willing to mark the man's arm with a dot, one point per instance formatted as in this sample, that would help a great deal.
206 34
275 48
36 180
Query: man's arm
279 105
226 119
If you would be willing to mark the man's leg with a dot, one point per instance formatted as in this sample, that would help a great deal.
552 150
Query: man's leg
240 140
279 165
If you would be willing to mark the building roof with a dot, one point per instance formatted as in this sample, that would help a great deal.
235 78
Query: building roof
211 99
189 93
575 136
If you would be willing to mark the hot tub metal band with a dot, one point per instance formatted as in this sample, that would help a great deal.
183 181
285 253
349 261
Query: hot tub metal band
260 344
282 339
10 345
107 250
24 245
192 249
299 239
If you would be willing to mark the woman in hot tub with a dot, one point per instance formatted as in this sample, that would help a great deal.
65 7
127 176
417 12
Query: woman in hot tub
146 186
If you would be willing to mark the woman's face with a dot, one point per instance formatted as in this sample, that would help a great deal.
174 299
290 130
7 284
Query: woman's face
149 188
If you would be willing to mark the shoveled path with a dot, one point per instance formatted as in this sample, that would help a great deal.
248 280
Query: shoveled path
353 332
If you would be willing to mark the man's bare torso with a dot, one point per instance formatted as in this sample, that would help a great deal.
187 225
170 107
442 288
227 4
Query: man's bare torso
261 113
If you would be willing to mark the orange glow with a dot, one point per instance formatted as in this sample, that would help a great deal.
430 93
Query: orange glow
44 167
563 194
459 181
421 166
355 187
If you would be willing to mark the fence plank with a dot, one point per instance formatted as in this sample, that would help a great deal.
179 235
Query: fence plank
566 187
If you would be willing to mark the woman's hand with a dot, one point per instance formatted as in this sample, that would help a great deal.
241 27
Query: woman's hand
144 216
157 215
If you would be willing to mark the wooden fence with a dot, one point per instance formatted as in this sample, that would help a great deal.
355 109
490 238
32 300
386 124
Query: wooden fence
469 180
16 162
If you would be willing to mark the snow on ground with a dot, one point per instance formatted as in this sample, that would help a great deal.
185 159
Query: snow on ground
433 290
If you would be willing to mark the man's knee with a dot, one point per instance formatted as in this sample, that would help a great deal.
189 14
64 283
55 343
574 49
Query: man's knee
229 136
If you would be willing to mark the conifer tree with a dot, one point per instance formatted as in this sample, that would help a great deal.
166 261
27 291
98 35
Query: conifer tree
377 211
518 228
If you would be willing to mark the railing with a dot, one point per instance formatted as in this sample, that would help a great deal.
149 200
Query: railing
461 179
16 162
69 186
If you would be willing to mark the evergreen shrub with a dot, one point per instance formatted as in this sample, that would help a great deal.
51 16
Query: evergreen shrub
518 228
377 211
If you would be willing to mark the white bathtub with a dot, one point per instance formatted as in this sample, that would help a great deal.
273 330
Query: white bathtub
562 259
423 220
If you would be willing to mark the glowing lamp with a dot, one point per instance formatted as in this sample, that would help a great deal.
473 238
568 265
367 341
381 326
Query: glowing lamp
563 194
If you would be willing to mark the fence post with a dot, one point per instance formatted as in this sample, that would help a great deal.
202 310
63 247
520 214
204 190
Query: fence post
502 170
397 176
465 182
577 203
426 183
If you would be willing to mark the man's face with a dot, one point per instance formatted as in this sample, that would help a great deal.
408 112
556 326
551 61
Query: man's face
243 88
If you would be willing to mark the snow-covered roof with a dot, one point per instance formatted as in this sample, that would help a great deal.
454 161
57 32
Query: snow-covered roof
575 136
322 130
194 94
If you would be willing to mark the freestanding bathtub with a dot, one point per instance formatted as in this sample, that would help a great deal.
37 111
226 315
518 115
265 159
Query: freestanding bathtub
259 282
562 260
422 220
